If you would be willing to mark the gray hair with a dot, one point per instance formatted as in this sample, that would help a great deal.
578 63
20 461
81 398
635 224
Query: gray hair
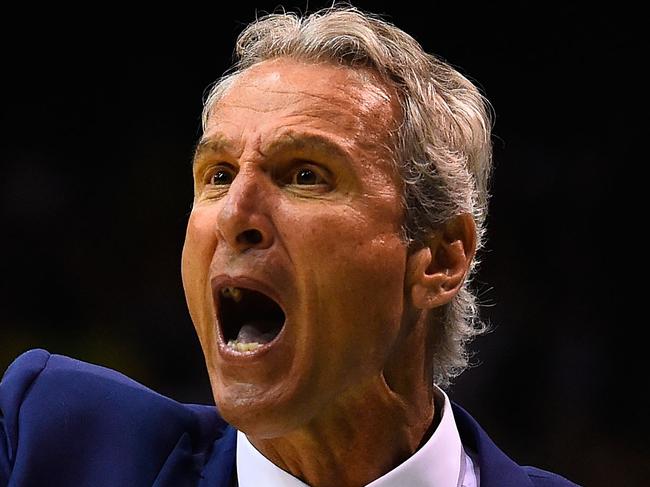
443 147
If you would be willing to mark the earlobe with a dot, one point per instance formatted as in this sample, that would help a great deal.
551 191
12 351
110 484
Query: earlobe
436 272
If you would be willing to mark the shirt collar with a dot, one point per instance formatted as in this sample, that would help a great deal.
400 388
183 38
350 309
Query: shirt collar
436 464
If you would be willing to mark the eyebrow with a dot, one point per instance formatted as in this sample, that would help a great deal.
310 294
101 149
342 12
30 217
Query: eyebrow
289 140
205 145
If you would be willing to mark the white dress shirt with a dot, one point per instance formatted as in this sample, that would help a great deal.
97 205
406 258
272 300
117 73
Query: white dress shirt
441 462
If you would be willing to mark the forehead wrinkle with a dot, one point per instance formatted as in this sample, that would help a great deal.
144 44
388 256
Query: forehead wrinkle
338 102
357 85
369 97
306 141
246 107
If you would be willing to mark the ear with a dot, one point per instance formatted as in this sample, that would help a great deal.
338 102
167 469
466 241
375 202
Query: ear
436 272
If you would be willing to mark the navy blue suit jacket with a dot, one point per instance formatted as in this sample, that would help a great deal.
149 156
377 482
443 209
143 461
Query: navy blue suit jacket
68 423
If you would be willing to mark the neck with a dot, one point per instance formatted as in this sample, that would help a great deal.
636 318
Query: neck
368 430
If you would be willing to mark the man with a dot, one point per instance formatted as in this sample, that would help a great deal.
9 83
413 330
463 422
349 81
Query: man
340 197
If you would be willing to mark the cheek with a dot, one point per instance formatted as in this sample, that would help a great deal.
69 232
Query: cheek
363 314
355 243
373 273
200 242
356 267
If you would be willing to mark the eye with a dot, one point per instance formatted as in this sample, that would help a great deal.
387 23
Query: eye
221 175
307 176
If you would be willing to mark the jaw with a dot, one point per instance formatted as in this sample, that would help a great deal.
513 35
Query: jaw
280 391
408 371
299 382
260 402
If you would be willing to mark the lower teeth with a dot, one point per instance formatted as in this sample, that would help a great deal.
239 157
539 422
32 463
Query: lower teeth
243 347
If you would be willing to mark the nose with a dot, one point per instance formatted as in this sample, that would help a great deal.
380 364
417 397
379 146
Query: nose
243 221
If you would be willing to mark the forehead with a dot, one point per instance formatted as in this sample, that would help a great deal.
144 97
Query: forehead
329 83
286 92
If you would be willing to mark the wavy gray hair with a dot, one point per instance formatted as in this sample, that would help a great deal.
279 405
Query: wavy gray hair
443 147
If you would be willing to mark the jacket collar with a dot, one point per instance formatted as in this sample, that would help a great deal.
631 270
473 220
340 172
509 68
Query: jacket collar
495 467
221 465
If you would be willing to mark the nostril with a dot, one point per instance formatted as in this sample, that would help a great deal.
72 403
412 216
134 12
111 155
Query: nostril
250 237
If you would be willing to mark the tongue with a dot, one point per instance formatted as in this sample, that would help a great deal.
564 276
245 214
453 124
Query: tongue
251 332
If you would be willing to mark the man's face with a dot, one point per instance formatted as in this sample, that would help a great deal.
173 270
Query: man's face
293 251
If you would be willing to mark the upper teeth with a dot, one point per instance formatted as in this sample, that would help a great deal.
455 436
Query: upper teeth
232 293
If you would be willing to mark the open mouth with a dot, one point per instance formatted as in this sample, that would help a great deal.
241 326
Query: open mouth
248 319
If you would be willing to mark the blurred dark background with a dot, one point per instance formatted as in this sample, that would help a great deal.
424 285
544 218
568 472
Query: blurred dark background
95 190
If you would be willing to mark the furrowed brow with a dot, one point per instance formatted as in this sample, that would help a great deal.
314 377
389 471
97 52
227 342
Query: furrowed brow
209 145
305 143
308 143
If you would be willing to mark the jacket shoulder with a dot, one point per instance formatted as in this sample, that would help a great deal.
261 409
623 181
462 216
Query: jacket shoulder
495 467
15 383
542 478
70 412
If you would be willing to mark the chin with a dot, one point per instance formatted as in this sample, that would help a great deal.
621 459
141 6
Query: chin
261 414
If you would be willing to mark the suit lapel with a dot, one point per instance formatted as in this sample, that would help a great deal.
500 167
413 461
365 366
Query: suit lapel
496 469
220 468
182 467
